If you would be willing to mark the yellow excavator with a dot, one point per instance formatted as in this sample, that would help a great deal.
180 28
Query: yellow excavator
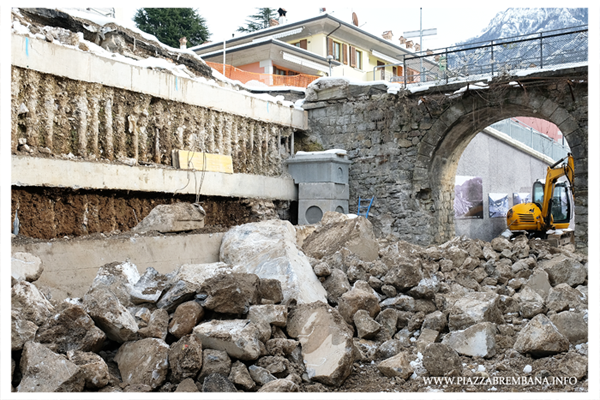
552 203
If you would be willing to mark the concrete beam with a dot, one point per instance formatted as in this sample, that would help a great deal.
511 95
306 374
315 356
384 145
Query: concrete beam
518 145
70 266
33 171
75 64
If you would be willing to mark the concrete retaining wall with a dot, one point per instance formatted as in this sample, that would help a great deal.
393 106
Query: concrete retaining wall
70 266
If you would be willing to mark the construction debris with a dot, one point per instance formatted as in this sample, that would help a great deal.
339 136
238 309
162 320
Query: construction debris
270 318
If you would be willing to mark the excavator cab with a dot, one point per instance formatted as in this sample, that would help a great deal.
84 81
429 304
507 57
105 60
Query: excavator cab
551 206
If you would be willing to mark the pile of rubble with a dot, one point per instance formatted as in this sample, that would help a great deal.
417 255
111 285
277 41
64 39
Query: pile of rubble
347 313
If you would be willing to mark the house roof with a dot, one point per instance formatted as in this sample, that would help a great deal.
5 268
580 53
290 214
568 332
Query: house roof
323 23
283 54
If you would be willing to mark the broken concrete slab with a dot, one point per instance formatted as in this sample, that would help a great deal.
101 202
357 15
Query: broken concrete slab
71 329
541 338
187 315
336 231
238 337
25 267
478 340
268 249
143 362
45 371
176 217
326 340
475 307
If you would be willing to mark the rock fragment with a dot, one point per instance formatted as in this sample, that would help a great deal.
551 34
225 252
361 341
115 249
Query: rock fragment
478 340
187 315
398 365
440 359
25 267
239 338
185 358
541 338
143 362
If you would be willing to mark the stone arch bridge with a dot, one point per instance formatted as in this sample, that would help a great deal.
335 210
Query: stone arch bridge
405 146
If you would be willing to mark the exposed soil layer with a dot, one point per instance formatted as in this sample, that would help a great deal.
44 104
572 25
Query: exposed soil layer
48 213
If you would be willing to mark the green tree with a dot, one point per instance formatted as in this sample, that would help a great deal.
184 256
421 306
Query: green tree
260 20
171 24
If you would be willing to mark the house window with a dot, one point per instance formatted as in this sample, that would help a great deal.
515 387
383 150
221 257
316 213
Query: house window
358 59
355 58
303 44
337 51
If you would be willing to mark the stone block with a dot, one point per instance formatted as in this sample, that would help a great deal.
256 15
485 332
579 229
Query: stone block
541 338
143 362
476 341
239 338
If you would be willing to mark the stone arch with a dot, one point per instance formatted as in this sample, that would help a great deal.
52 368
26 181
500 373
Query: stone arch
441 148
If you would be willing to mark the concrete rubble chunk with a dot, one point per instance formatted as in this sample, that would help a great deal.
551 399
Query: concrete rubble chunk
389 348
214 362
45 371
157 325
217 383
94 368
478 340
119 278
21 330
426 337
187 386
280 385
335 232
230 292
149 287
260 375
440 359
336 285
143 362
281 346
30 303
435 320
530 303
273 314
563 297
539 282
70 329
110 315
185 358
326 341
366 327
541 338
268 249
240 376
176 217
239 338
358 299
398 365
388 319
187 315
270 289
475 307
25 267
404 275
500 244
277 365
562 269
571 325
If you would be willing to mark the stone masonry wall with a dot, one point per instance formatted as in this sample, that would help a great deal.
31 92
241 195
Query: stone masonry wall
405 147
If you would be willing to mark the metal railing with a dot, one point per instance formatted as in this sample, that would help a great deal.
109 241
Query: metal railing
532 138
499 56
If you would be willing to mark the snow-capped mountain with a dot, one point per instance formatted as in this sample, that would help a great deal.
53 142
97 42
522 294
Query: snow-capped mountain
523 21
523 38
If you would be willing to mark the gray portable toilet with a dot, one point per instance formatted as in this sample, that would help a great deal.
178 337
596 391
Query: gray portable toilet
322 179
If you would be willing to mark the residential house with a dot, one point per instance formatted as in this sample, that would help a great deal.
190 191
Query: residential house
303 47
